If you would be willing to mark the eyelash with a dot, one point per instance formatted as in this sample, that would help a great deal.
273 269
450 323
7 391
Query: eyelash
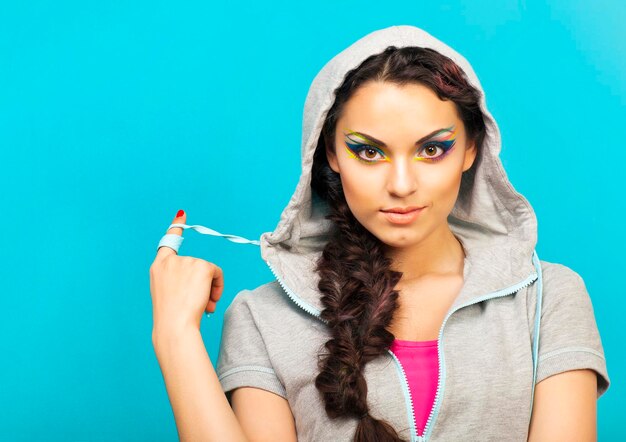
357 148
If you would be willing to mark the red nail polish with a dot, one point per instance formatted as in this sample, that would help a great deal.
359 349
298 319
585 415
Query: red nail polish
180 213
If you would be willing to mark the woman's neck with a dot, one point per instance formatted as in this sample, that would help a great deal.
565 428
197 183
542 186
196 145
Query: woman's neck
440 254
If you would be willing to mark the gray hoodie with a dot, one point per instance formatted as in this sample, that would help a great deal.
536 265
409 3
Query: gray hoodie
490 354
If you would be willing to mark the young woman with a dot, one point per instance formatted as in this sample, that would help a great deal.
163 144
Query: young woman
409 302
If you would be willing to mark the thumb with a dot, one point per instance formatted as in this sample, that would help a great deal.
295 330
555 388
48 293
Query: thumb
180 218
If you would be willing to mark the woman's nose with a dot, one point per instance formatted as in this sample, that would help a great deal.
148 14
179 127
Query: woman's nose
402 179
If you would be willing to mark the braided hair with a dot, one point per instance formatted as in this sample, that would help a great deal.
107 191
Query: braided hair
356 280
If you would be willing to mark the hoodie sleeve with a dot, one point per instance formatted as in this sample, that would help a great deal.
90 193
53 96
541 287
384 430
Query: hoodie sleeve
568 338
243 360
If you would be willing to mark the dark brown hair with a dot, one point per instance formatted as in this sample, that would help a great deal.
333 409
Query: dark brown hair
357 283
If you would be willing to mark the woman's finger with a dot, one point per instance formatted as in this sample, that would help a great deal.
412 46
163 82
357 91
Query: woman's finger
180 218
217 288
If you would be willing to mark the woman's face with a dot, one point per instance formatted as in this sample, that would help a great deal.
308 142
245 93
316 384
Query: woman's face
381 166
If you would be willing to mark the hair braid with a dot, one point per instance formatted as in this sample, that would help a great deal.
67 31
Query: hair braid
356 280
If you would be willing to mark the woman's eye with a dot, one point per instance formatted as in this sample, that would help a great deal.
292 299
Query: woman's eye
368 153
430 151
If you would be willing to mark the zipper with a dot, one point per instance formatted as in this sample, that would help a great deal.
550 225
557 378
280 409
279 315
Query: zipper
407 395
434 412
306 307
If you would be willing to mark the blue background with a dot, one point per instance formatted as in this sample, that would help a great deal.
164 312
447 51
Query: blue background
113 115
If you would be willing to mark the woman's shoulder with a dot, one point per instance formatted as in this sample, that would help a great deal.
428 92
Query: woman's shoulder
555 275
268 301
563 286
557 270
269 291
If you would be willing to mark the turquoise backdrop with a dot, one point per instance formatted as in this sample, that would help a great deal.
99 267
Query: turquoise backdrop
115 114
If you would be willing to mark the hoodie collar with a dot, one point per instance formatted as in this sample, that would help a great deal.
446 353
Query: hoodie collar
495 224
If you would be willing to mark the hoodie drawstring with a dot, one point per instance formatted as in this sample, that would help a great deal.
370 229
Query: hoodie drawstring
206 231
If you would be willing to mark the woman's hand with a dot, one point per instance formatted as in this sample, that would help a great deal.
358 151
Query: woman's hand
182 287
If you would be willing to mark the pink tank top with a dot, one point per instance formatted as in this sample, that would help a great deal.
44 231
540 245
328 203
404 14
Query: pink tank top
420 361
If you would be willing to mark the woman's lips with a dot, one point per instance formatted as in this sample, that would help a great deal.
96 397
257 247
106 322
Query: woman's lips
402 209
403 218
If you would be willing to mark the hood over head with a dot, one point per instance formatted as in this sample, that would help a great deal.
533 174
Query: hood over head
495 224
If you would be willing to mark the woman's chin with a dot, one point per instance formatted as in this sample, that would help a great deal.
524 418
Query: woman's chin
398 240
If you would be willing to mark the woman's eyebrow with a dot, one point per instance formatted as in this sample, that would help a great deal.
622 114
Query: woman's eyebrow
371 139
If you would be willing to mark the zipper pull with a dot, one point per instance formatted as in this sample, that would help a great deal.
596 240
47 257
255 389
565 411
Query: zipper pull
206 231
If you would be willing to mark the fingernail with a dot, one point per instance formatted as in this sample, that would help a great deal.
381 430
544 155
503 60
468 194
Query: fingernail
180 213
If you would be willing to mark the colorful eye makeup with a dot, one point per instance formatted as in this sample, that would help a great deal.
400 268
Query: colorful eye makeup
437 145
355 148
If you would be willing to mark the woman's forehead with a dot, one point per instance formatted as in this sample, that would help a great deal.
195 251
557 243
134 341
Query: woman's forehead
383 105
